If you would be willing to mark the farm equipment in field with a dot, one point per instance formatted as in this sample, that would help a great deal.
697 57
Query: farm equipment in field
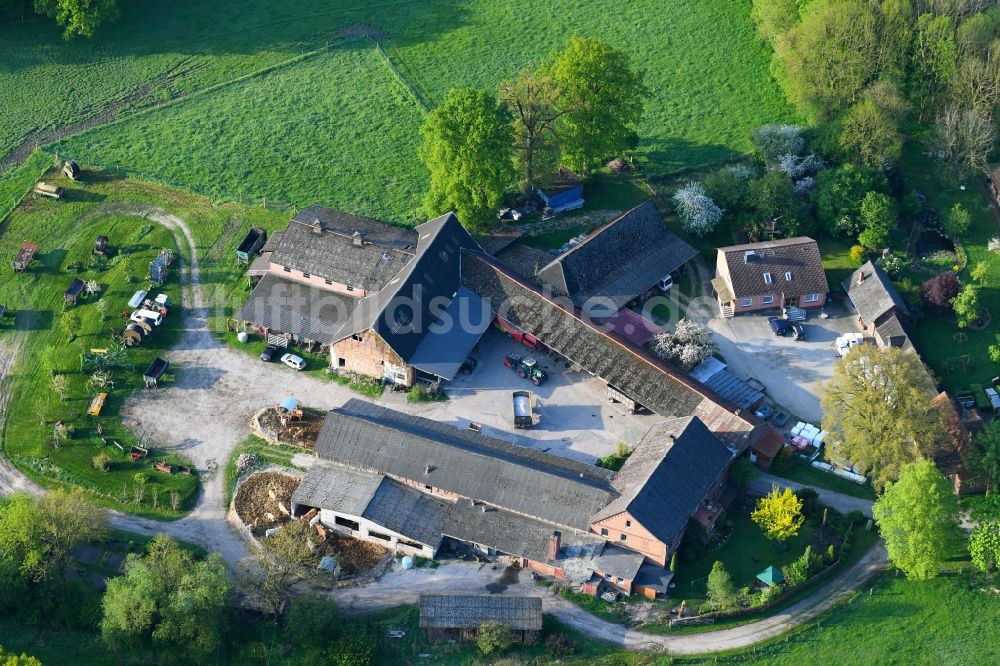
97 404
72 170
524 417
24 257
526 368
48 190
250 247
155 371
137 453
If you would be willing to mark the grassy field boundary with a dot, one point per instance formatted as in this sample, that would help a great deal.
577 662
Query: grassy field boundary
16 183
418 98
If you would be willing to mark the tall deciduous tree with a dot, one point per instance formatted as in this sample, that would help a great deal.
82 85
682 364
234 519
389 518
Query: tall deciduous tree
918 518
965 138
935 59
466 147
721 590
966 306
533 101
878 413
602 95
169 600
78 17
286 559
779 514
879 217
870 129
988 450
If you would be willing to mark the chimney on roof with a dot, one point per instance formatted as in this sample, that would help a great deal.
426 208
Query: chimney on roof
861 277
317 226
671 440
555 542
357 240
427 470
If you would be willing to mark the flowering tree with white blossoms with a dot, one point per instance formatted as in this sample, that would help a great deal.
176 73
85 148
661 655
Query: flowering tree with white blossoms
697 211
687 346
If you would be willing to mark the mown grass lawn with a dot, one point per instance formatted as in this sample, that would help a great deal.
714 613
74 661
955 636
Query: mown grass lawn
801 471
339 127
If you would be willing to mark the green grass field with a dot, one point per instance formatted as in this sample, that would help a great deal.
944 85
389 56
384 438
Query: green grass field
799 470
339 126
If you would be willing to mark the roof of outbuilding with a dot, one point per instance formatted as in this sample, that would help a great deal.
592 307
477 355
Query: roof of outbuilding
559 490
405 310
525 259
618 561
469 611
713 373
329 486
292 307
650 381
800 256
893 334
321 241
667 476
620 260
872 293
75 287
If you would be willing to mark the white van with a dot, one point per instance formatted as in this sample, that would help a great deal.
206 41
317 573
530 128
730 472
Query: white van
149 315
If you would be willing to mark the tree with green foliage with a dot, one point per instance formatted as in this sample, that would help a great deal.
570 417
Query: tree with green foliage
800 569
772 197
169 600
775 17
935 60
870 131
721 590
286 558
957 222
984 545
966 305
70 322
78 17
779 514
38 537
60 386
602 97
493 637
987 445
877 410
12 659
918 518
839 193
466 147
741 473
879 217
532 98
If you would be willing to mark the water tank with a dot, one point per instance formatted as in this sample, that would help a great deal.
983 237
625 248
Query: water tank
407 562
242 336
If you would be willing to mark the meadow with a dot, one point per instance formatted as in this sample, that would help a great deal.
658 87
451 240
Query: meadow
297 104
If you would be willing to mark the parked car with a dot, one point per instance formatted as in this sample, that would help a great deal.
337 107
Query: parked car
798 332
764 412
268 354
666 283
154 318
293 361
779 326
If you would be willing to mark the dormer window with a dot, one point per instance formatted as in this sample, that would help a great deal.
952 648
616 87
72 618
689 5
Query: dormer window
788 276
767 278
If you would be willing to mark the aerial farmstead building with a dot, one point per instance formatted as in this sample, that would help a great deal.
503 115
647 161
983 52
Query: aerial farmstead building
423 487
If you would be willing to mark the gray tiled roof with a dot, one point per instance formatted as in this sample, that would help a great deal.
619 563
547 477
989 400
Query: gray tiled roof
469 611
404 311
620 260
320 241
668 475
328 486
408 511
618 561
525 259
292 307
893 334
472 465
643 377
874 296
800 256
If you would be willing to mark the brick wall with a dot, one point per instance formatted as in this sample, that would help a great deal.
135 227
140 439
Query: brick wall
637 537
367 356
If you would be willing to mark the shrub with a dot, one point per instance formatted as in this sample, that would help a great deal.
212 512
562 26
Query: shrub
994 353
558 645
493 637
980 272
101 462
811 507
941 290
966 305
893 264
721 592
957 221
858 254
312 621
694 542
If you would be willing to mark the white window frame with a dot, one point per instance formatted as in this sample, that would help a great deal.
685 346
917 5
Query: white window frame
746 302
620 580
768 279
766 300
788 276
811 298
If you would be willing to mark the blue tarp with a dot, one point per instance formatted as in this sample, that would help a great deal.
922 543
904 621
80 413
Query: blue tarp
289 404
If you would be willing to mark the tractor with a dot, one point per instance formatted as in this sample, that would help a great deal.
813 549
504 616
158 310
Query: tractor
526 368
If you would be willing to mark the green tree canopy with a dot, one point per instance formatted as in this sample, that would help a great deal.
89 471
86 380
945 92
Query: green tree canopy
466 147
602 96
721 591
532 98
169 600
779 514
839 193
78 17
879 217
878 413
966 305
918 518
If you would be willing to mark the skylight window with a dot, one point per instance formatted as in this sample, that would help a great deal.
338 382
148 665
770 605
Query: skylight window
788 276
767 278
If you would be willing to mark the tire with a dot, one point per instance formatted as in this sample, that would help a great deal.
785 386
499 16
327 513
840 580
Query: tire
537 381
521 373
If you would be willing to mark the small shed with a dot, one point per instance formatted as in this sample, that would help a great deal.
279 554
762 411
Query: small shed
459 616
101 245
155 370
73 292
771 576
72 170
24 257
561 197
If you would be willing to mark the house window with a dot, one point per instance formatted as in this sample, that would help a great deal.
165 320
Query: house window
379 535
350 288
811 298
344 522
767 299
788 276
286 269
357 336
767 278
620 580
341 362
306 275
607 576
746 302
604 531
628 523
623 538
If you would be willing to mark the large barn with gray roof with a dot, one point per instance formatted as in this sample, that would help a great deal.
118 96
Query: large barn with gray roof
419 486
